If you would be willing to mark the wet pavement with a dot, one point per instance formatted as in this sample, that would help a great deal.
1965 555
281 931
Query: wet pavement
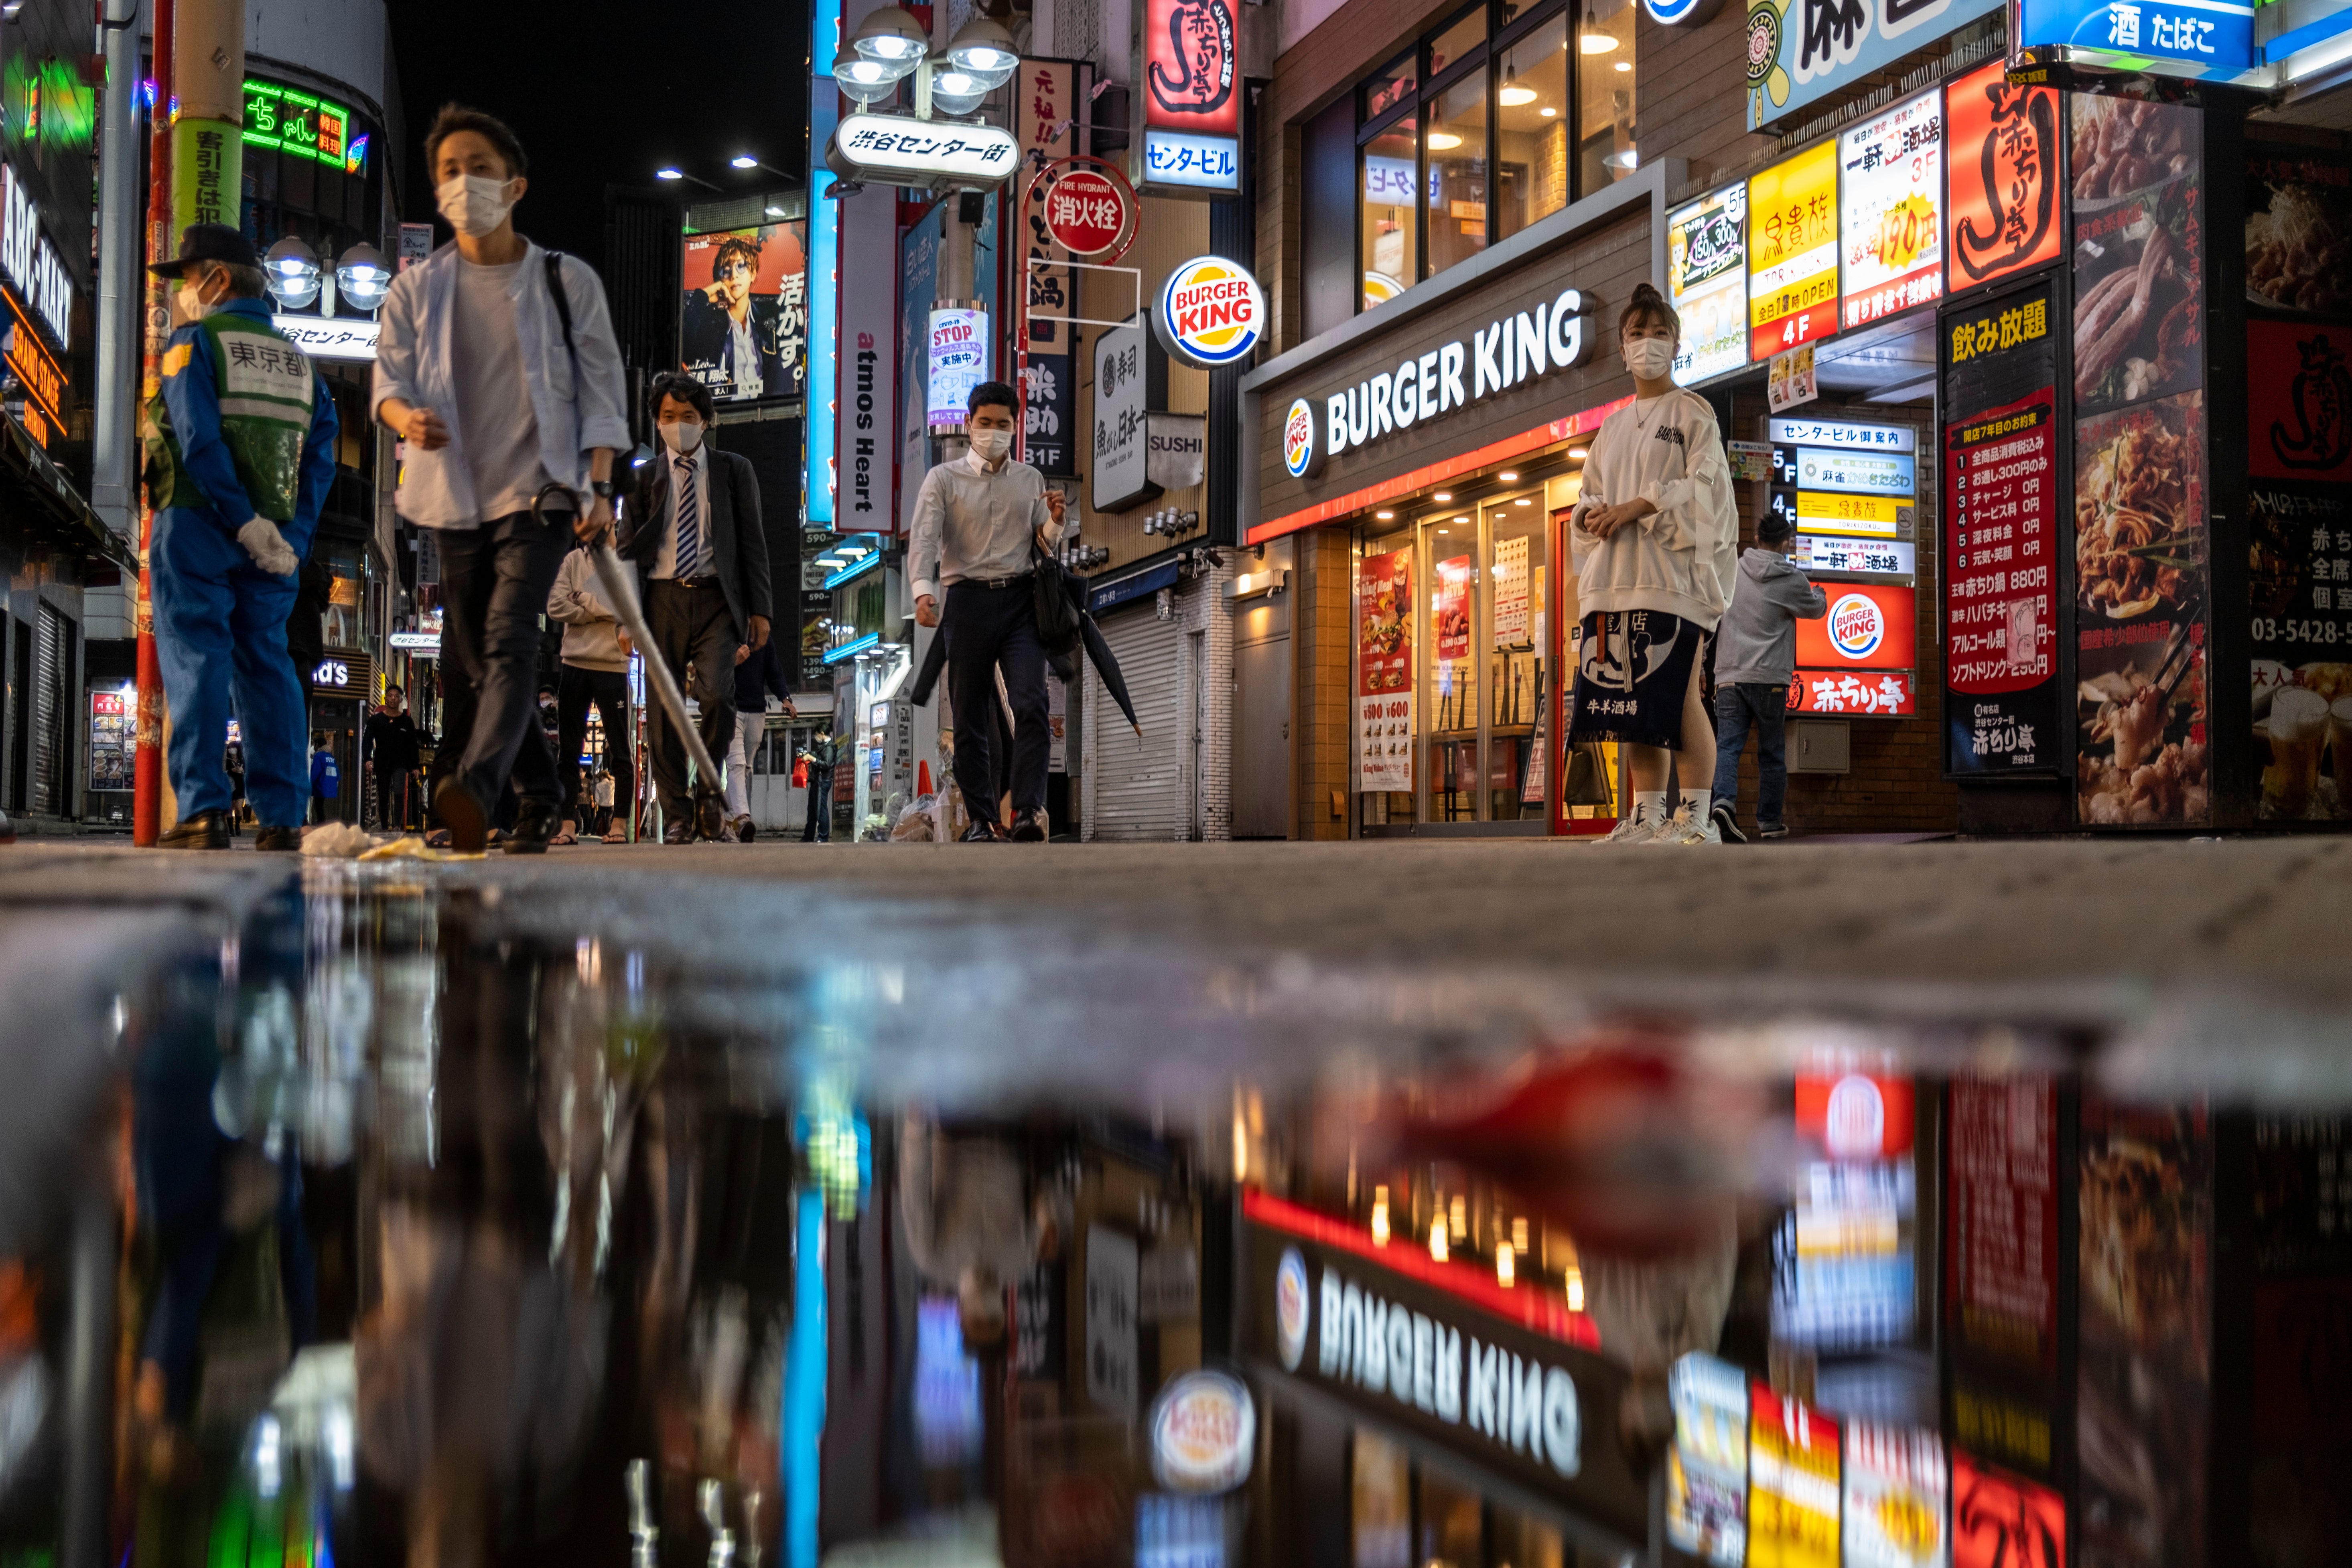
1375 1205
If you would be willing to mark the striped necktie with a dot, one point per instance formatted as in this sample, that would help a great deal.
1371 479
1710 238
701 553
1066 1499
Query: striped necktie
689 523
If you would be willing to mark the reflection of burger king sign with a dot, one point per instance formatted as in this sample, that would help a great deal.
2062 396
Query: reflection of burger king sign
1290 1308
1212 313
1203 1432
1299 453
1857 625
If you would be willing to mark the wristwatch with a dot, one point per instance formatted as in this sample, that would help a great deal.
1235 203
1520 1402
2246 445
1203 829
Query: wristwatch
604 490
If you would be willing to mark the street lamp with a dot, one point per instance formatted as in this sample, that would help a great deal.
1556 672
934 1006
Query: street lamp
364 276
292 269
985 49
672 171
954 90
892 37
866 82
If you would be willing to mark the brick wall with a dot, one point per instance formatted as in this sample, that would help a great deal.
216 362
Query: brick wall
1322 588
1897 784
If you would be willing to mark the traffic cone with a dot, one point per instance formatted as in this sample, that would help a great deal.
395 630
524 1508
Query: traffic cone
922 776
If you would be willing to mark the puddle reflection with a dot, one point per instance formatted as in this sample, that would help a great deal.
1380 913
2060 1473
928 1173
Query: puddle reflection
436 1232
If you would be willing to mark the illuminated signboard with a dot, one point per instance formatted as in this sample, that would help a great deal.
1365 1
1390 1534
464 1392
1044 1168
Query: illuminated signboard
1856 480
2003 216
958 361
2170 37
1891 218
1792 252
37 371
1707 273
1191 96
33 268
304 124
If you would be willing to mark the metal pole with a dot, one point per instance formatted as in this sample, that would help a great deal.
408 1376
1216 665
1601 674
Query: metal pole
114 435
147 780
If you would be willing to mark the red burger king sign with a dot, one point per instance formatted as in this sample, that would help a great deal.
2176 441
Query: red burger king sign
1212 313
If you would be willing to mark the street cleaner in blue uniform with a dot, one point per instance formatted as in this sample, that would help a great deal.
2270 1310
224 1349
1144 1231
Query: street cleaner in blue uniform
240 451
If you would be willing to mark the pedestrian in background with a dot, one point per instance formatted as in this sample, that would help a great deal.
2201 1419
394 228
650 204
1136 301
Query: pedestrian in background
325 779
978 523
1755 658
1654 540
232 764
394 750
240 450
693 530
608 826
759 672
819 755
496 363
594 672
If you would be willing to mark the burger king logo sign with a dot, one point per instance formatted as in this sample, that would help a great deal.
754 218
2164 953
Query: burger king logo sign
1290 1308
1857 625
1203 1433
1298 450
1212 313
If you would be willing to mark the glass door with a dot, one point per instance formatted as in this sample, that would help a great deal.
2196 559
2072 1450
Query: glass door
1513 537
1451 677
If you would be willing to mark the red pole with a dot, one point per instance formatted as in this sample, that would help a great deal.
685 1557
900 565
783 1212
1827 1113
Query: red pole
147 771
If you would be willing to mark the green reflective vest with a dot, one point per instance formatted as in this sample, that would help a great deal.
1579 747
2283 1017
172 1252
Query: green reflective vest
266 389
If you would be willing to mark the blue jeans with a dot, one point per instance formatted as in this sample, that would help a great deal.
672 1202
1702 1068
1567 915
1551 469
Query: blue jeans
1737 708
220 637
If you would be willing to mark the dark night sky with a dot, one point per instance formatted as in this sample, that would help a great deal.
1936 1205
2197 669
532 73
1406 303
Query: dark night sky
604 94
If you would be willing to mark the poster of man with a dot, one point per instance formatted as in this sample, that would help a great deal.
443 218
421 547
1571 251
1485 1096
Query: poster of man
745 328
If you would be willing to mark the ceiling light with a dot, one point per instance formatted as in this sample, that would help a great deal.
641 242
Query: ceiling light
775 211
1461 520
1446 495
1549 113
1513 94
1508 479
1443 140
1445 531
1624 160
1591 38
1523 501
744 161
1625 65
1578 454
670 174
1384 516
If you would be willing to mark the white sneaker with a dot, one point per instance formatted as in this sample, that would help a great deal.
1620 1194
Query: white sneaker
1630 830
1687 826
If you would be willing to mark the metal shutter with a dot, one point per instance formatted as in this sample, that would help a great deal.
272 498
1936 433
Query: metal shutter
49 709
1137 792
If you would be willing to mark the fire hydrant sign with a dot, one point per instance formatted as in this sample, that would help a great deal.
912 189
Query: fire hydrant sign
1384 673
1086 211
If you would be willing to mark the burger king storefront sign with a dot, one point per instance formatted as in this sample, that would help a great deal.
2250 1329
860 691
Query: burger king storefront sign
1212 314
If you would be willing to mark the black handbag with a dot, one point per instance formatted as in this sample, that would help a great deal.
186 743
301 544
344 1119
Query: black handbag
1057 612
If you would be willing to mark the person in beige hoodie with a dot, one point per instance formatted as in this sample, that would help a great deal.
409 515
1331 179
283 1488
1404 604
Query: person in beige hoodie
595 670
1654 541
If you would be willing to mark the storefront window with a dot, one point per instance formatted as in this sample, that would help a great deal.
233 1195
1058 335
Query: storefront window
1452 1525
1381 1532
1514 666
1604 44
1531 117
1453 673
1391 215
1457 174
1486 130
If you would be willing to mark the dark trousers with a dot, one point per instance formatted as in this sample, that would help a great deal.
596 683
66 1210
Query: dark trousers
1738 709
607 689
495 581
988 628
395 797
696 635
820 807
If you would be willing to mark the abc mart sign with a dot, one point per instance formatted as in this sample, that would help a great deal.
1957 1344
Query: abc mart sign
1435 384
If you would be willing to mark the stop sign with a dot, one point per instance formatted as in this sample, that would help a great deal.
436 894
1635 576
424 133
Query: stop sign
1085 211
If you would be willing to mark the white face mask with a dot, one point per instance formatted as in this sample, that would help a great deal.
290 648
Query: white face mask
681 436
991 445
1649 358
191 301
474 205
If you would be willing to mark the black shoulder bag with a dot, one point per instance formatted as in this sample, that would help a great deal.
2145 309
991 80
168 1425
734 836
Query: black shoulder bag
1057 613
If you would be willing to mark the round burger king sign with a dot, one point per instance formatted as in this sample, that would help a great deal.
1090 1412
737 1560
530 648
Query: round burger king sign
1857 625
1203 1433
1212 313
1299 453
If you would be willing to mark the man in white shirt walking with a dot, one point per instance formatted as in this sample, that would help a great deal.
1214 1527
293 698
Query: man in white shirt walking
974 522
500 386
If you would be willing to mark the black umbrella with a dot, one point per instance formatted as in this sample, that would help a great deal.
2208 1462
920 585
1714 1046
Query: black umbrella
1099 654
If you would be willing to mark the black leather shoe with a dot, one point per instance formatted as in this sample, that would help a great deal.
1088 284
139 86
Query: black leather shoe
463 815
205 830
535 824
982 833
746 830
276 839
1029 827
678 833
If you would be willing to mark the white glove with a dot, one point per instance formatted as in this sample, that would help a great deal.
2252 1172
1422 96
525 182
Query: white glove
268 547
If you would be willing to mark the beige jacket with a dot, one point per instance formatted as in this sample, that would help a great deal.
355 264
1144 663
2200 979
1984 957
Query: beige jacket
591 632
1683 557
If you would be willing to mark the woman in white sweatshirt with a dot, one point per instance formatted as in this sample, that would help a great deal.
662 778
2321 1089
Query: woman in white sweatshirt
1653 541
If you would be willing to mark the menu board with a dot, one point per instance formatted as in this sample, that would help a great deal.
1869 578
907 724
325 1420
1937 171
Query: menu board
1792 252
2141 532
1384 685
1706 275
1792 1483
1895 1497
1891 217
1999 537
2001 1234
2004 215
1511 591
2299 461
1707 1467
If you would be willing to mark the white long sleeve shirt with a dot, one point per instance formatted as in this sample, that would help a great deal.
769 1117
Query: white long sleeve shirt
1683 557
971 521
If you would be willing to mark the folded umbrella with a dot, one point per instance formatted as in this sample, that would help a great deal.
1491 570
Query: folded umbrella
1099 654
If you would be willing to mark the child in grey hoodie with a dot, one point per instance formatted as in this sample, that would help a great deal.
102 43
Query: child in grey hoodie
1755 657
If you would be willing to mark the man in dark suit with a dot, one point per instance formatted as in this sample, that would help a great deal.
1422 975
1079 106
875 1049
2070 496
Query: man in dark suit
692 527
